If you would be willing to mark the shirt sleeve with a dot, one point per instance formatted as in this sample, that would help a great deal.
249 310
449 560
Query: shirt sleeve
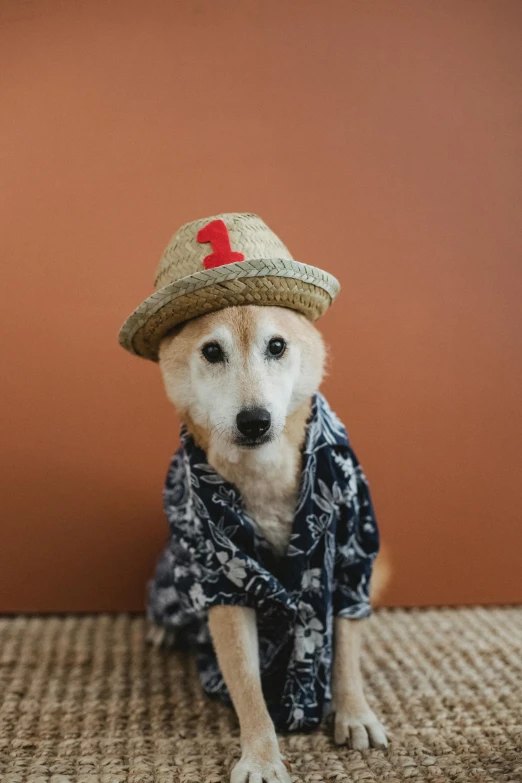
207 561
202 567
357 541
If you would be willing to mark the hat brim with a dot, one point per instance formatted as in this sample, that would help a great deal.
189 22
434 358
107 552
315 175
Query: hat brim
275 282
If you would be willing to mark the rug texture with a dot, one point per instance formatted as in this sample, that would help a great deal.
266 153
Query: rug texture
86 700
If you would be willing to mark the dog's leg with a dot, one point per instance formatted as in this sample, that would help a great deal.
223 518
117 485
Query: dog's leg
355 723
234 634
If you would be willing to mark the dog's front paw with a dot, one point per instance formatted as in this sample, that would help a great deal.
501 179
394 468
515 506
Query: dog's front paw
261 763
359 731
252 771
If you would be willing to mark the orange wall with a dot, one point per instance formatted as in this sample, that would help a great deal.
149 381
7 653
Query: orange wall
381 140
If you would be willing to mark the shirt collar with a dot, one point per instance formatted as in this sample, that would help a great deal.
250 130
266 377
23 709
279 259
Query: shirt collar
324 427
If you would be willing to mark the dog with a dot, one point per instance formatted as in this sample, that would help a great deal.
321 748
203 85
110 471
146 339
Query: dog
273 537
242 380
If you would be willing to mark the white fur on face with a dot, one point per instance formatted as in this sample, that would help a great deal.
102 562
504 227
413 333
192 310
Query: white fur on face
214 394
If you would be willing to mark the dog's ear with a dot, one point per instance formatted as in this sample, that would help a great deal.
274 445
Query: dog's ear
173 361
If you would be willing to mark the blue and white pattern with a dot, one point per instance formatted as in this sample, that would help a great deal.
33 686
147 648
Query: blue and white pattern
214 556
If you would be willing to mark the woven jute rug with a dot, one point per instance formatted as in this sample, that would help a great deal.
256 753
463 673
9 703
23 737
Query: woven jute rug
86 700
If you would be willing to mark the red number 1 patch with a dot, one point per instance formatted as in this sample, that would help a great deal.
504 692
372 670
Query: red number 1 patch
216 233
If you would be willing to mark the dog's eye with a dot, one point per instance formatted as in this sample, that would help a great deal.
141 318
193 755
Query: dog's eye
276 347
213 353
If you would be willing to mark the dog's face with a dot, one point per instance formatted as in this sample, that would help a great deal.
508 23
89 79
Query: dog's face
237 374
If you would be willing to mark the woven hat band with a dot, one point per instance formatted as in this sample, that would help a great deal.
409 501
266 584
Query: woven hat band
298 295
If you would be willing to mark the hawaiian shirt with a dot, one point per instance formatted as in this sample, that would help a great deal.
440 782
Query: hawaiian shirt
215 556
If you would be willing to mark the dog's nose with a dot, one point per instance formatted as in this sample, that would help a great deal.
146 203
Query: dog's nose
253 422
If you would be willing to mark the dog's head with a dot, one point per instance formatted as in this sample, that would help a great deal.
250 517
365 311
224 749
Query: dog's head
236 375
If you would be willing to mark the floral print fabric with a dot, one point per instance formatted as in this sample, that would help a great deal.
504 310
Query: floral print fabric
214 556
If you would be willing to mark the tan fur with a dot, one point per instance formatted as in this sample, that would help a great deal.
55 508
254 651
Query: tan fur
234 633
268 479
355 723
381 575
269 486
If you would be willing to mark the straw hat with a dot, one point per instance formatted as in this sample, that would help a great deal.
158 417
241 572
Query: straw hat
221 261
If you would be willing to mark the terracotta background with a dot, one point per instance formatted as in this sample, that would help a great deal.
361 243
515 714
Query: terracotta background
379 139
